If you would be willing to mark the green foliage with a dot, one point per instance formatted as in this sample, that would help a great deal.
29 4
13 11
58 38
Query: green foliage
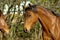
16 30
16 22
32 1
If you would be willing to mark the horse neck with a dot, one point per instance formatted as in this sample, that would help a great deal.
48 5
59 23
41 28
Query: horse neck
46 18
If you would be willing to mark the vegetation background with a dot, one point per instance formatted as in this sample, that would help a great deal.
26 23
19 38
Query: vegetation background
16 21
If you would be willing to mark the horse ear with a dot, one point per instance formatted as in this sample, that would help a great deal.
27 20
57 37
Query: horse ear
30 5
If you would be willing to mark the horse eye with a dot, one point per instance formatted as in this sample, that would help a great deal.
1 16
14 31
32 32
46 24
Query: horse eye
29 15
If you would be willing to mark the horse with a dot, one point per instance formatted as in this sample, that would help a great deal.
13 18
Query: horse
49 20
4 28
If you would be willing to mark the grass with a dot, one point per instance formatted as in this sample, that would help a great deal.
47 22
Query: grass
16 25
16 30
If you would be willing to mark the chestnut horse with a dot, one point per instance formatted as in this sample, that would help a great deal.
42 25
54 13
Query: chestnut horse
3 25
50 22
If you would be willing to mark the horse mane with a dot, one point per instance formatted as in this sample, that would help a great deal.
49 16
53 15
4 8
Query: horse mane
33 7
56 14
27 8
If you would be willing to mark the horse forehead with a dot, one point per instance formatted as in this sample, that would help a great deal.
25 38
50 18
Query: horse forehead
30 12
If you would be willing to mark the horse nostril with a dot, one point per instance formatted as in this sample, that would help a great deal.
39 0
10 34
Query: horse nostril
25 30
